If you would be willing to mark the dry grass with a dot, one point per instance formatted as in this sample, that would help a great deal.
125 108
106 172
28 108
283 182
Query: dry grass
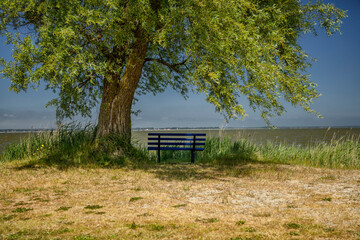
252 201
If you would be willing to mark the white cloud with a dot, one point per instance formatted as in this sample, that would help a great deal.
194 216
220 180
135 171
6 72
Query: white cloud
6 115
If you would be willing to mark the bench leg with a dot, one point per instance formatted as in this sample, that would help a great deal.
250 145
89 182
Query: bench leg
192 156
158 153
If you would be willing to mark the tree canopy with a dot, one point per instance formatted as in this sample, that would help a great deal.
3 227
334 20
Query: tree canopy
227 49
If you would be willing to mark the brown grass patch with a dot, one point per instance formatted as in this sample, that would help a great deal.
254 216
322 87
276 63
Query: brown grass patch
255 201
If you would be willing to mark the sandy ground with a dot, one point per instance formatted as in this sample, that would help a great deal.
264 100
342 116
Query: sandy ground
253 201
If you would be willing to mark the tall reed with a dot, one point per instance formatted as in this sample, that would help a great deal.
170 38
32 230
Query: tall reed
339 153
65 142
74 144
217 151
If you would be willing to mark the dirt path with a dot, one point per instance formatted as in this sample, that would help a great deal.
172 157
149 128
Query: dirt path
254 201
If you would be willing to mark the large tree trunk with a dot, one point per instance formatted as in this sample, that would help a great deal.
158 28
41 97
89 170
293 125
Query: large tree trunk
118 94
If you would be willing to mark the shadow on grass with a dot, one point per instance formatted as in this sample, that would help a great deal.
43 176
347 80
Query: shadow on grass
182 172
215 170
168 171
34 164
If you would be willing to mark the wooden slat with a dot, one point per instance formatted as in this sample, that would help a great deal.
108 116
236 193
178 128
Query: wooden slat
177 134
176 143
175 148
176 139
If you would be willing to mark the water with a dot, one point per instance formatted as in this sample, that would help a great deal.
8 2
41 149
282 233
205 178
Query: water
8 138
299 136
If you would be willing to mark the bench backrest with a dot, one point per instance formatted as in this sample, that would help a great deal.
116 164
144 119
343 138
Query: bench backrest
176 141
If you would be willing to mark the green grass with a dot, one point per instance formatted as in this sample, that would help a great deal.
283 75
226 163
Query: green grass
292 226
63 208
241 222
155 227
326 199
342 153
74 145
7 217
179 205
66 142
133 225
218 151
133 199
210 220
92 207
249 229
83 237
21 210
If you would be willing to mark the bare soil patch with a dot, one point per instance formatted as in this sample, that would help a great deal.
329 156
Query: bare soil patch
252 201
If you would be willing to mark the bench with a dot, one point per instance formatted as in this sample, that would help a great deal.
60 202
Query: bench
176 141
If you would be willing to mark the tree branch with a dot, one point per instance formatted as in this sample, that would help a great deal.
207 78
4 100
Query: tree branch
82 84
171 66
92 76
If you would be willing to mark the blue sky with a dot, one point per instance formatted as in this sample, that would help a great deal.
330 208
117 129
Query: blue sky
337 73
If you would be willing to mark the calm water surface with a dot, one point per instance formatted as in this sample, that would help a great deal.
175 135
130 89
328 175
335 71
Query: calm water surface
301 136
8 138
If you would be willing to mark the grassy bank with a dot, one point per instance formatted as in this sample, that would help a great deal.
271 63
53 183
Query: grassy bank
73 145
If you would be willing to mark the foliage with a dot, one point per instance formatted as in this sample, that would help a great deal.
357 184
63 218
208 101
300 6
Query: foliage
225 49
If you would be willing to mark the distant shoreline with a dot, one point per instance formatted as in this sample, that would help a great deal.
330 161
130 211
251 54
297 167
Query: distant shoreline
189 128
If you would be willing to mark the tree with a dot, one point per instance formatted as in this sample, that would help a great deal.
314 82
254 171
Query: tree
110 49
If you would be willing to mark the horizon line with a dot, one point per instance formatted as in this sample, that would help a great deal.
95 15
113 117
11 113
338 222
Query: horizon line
3 130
